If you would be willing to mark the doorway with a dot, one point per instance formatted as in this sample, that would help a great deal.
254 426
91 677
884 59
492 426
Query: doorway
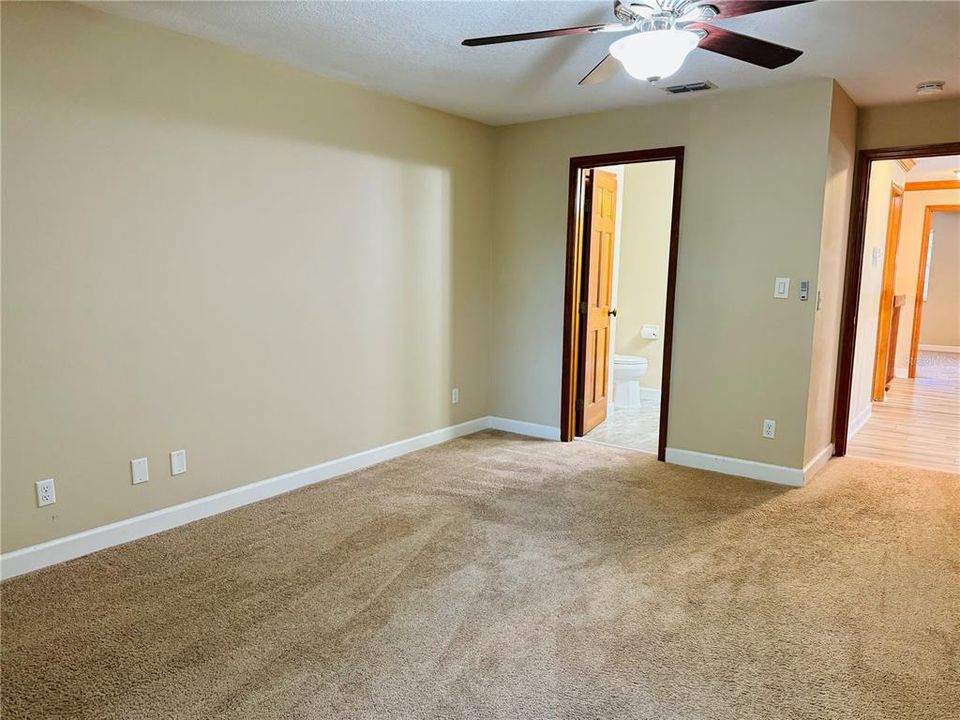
898 394
616 386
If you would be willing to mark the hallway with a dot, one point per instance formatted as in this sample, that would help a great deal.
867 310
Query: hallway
919 423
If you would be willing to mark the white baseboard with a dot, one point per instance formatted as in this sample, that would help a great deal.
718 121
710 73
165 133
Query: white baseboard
778 474
941 348
546 432
900 372
69 547
650 393
60 550
856 425
817 463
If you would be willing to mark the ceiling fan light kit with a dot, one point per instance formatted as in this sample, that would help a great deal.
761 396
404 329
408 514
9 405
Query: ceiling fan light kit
664 32
654 55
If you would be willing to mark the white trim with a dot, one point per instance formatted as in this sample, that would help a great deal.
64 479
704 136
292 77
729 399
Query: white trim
779 474
817 463
941 348
645 394
52 552
650 393
900 372
856 425
546 432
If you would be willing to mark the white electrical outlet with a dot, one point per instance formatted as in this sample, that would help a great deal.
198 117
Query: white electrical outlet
46 492
178 462
139 472
769 429
455 396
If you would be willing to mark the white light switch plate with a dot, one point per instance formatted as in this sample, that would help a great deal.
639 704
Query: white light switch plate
782 288
455 396
139 472
178 462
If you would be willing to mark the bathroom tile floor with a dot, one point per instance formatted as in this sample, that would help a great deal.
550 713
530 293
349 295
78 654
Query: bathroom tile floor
634 428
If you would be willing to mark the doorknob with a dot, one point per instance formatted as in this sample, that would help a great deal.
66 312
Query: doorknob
612 311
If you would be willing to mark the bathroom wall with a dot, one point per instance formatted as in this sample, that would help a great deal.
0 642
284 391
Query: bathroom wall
647 194
941 313
883 174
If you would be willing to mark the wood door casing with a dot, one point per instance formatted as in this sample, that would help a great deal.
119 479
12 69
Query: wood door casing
928 212
598 294
885 318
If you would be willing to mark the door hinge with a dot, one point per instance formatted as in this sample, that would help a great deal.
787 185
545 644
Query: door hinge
583 308
579 404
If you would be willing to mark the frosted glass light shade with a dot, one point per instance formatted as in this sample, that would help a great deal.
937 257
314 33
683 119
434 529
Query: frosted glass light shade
655 54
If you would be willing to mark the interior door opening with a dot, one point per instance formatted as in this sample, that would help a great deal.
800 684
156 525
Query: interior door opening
623 231
898 391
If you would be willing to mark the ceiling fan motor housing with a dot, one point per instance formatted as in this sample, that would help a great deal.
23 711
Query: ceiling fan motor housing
687 11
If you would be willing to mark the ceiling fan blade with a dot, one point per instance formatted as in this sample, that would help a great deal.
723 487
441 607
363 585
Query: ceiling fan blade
582 30
743 47
603 70
735 8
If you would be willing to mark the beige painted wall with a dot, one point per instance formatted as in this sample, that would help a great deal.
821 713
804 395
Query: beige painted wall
917 123
883 174
206 250
940 324
741 355
644 255
203 249
908 260
841 154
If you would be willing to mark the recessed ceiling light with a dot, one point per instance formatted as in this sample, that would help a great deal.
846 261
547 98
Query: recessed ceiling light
931 87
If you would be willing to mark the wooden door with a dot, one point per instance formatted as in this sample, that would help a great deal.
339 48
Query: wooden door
885 323
595 310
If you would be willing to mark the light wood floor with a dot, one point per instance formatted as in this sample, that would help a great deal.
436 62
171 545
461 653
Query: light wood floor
919 422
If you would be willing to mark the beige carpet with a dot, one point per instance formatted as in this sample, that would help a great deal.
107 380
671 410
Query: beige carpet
501 577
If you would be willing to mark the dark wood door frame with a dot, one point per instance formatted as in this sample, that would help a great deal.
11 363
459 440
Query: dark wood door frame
854 269
574 286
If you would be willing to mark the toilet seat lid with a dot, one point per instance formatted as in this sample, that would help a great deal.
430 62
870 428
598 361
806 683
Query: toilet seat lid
629 360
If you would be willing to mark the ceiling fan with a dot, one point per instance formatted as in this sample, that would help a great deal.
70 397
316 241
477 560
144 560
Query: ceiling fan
664 32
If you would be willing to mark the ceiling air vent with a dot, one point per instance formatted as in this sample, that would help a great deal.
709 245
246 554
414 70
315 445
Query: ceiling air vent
689 88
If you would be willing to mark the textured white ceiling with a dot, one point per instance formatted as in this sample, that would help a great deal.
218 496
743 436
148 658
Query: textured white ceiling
878 51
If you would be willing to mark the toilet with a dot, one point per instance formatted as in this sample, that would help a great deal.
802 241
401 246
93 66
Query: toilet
627 371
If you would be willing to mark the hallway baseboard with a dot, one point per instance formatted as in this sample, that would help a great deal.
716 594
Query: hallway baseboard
856 425
941 348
